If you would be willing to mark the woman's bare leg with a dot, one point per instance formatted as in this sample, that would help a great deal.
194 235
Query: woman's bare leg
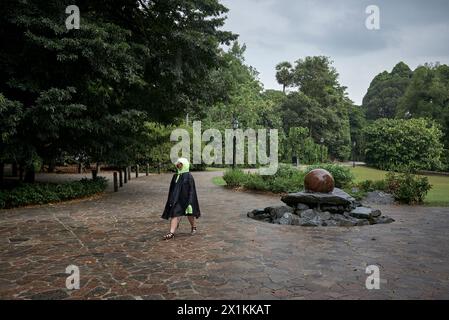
192 221
174 224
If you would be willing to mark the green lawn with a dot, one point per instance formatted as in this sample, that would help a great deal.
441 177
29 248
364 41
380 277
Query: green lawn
437 196
215 169
218 181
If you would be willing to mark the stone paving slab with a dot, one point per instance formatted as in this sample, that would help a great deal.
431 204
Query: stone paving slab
115 240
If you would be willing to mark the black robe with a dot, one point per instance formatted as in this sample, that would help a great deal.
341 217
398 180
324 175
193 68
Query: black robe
180 196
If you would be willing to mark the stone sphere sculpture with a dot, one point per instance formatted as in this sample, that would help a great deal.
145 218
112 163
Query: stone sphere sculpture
319 180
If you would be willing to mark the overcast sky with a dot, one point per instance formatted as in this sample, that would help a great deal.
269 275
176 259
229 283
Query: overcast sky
413 31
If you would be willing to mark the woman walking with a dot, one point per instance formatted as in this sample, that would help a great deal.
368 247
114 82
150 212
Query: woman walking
182 199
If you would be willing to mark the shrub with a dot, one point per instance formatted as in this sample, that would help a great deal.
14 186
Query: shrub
342 175
41 193
395 143
370 185
254 181
407 188
286 179
234 178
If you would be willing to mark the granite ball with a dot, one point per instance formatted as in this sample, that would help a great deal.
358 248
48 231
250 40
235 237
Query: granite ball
319 180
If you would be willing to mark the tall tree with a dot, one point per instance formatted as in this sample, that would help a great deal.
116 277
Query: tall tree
385 91
245 100
86 92
284 75
320 105
357 121
427 96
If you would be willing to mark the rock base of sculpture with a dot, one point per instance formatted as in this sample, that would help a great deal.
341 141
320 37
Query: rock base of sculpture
312 209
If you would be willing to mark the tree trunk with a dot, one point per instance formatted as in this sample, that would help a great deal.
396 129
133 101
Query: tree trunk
21 172
14 169
30 175
51 166
2 172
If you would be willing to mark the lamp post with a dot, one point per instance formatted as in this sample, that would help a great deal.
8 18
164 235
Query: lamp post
235 126
322 142
353 153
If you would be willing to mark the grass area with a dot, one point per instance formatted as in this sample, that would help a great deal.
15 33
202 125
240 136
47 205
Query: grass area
437 196
218 181
215 169
365 173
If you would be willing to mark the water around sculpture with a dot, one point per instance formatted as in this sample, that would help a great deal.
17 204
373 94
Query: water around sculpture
319 180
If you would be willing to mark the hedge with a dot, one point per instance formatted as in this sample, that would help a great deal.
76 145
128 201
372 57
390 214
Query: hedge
42 193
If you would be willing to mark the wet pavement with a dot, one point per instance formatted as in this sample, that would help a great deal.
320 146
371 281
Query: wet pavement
115 241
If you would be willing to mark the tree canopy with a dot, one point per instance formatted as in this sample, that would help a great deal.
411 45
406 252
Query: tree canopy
320 104
385 91
89 91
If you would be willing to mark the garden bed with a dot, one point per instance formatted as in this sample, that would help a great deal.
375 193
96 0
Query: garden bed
26 194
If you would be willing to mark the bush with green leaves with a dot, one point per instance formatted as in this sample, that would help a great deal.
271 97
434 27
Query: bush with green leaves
254 181
370 185
41 193
407 188
234 178
286 179
342 175
392 144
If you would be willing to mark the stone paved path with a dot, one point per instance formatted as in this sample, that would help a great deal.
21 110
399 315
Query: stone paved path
115 241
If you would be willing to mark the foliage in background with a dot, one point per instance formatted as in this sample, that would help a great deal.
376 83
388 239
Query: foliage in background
41 193
286 179
427 96
357 121
87 93
385 92
299 144
393 144
320 104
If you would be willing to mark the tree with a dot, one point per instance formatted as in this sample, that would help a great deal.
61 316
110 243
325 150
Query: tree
301 145
357 122
318 79
88 92
244 94
320 105
10 115
284 75
385 91
428 97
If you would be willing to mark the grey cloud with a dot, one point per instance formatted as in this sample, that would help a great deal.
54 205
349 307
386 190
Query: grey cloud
411 30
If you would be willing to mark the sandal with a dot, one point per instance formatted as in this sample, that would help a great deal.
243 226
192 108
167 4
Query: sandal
193 231
169 236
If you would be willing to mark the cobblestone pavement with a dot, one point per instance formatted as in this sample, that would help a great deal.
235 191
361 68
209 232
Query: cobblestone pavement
115 240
